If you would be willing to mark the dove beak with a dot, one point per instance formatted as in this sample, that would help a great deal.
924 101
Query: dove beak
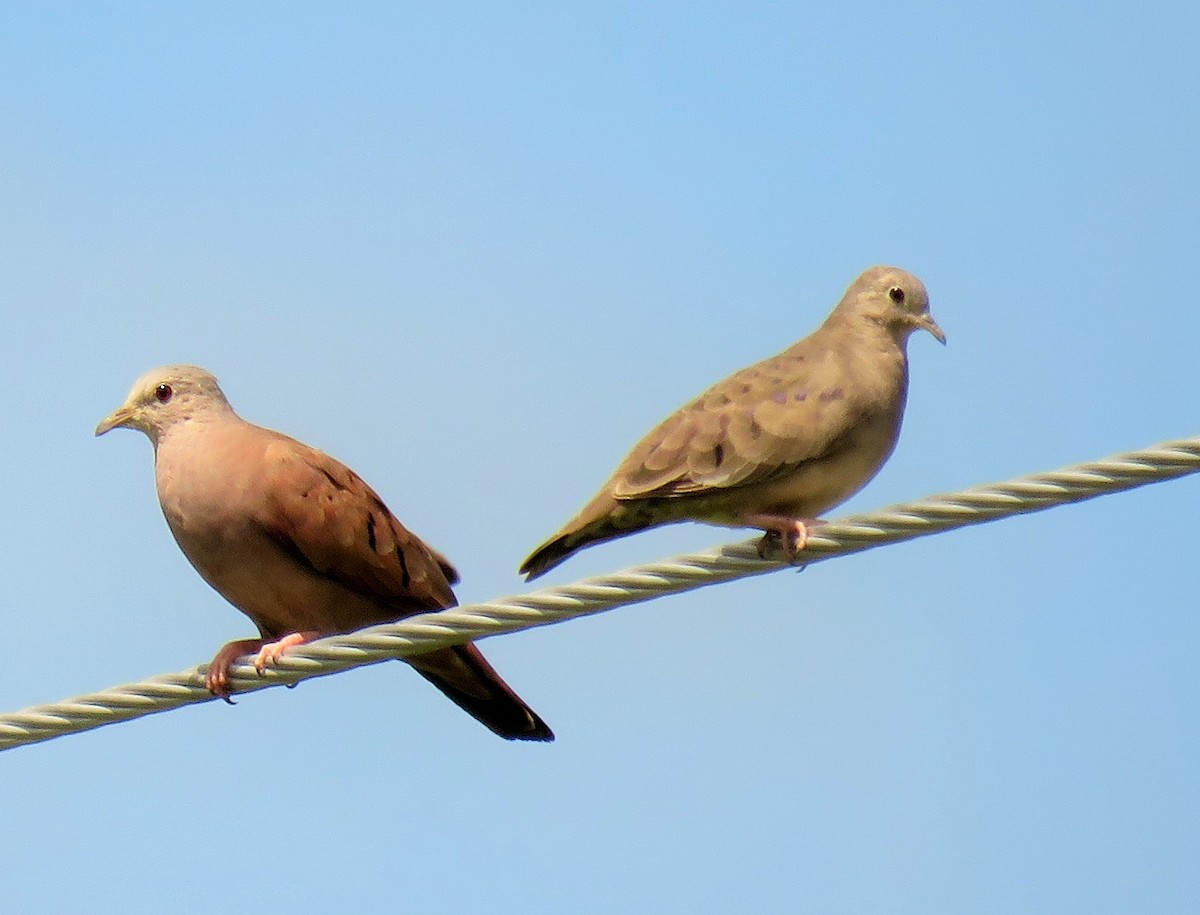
926 321
119 417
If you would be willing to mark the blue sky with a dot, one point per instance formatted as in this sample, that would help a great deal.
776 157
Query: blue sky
475 252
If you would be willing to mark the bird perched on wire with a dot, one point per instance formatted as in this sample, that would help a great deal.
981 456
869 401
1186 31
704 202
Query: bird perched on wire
774 445
297 541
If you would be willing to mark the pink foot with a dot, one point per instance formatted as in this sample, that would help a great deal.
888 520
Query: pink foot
271 652
217 678
781 532
216 681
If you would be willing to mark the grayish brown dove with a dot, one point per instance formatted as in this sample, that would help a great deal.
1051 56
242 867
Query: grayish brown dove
297 541
776 444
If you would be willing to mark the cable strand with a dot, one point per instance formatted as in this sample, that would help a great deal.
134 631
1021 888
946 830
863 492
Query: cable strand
546 606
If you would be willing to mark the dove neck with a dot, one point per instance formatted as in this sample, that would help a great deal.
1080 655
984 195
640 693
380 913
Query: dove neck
191 427
869 332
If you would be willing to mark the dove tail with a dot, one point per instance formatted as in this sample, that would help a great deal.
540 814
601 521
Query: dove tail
595 524
548 555
470 682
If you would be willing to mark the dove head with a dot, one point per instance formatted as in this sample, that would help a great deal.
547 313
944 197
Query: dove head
893 298
165 397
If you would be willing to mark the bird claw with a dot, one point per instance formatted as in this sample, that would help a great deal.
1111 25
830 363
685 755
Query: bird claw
786 536
216 681
789 543
270 653
266 654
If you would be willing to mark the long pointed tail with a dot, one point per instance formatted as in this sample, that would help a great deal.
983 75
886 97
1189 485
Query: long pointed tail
470 682
548 555
602 519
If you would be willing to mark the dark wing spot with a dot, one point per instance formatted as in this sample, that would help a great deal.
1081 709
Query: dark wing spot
780 397
755 429
371 531
292 549
330 477
718 455
800 396
829 396
404 575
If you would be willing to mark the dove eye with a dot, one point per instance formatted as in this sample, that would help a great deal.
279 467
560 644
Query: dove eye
896 294
163 393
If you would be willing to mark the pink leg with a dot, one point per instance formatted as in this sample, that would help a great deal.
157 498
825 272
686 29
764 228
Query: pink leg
789 533
217 678
271 652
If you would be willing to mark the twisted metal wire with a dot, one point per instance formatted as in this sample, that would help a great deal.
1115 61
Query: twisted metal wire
429 631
